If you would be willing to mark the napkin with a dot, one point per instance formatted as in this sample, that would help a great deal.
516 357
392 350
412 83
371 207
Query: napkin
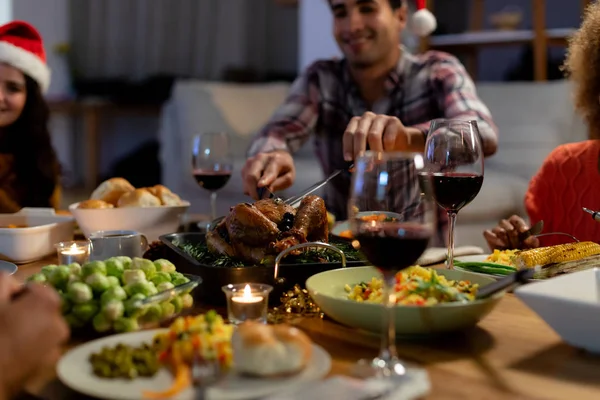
415 385
435 255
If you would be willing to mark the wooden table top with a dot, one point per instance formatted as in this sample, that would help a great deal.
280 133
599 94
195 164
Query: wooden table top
511 354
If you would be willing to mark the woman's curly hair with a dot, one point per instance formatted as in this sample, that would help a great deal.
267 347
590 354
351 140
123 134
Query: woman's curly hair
582 66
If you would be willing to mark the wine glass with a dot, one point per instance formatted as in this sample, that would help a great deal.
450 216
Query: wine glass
390 184
212 163
454 158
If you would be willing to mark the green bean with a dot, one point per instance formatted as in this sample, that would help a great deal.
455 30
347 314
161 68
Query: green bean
125 362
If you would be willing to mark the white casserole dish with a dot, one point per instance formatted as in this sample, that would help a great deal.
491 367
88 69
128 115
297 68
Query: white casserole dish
44 229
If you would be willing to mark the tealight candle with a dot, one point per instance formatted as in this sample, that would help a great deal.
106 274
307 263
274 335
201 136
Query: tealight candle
73 252
246 302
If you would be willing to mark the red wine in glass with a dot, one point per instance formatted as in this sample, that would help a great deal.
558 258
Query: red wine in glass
393 246
454 190
212 179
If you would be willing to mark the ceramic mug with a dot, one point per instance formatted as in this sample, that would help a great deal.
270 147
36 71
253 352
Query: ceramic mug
107 244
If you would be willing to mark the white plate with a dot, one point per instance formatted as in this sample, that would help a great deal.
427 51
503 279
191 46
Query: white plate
75 371
8 267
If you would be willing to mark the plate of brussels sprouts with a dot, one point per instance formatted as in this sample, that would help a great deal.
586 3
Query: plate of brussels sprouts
119 294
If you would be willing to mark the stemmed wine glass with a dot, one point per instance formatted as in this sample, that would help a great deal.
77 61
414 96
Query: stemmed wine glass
454 158
390 184
212 163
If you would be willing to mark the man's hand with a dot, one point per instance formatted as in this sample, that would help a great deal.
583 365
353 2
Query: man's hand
381 133
274 170
31 331
505 236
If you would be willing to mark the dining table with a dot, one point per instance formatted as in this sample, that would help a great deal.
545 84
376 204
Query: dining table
511 354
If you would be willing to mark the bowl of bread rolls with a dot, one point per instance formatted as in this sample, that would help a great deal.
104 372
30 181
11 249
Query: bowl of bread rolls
117 205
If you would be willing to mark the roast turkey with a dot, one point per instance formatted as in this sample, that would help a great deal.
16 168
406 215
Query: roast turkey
253 231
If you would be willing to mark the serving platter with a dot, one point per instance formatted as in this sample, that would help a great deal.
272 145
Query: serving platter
75 371
215 277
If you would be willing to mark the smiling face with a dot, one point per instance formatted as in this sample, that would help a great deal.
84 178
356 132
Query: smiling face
367 31
13 94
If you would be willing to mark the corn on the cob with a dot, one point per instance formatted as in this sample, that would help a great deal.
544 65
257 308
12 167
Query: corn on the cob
555 254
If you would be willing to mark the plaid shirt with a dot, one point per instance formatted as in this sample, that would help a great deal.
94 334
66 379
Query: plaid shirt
324 98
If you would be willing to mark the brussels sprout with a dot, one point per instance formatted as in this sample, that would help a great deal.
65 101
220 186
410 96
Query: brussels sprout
126 261
126 325
75 268
113 281
146 288
168 309
164 286
180 280
48 269
92 267
188 300
98 282
164 265
37 277
177 303
113 310
79 292
85 311
65 304
145 265
113 293
153 313
73 321
160 277
133 275
131 307
73 278
114 267
175 275
59 277
101 324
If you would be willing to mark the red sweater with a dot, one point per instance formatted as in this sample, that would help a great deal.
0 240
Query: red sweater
567 181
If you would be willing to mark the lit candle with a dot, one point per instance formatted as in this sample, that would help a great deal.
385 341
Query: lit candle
247 302
248 297
72 252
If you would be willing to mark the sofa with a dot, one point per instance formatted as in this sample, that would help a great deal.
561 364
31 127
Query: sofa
533 118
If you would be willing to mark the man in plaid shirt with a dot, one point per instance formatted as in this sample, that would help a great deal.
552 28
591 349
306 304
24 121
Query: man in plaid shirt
379 96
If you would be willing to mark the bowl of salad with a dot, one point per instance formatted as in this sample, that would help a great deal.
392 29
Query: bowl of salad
428 301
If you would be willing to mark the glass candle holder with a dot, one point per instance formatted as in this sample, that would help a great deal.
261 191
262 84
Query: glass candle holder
73 252
247 302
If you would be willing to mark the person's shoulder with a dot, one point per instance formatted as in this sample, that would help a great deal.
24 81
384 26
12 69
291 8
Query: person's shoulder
437 58
572 150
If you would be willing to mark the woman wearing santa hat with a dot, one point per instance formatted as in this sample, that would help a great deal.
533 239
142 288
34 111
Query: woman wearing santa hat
29 168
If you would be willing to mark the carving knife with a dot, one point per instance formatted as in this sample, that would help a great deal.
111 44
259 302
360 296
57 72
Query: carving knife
594 214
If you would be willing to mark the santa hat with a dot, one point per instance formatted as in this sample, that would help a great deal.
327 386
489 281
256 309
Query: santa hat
423 21
21 47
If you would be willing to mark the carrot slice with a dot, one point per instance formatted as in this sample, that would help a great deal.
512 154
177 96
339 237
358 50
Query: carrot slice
182 380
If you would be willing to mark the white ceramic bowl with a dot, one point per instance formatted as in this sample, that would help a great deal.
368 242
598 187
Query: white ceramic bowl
570 305
150 221
327 290
43 230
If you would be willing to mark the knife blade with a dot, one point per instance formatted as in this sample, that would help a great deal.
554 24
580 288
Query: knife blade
533 231
292 201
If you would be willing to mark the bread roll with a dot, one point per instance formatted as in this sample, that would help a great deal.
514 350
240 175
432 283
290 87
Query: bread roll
138 198
268 351
166 197
111 190
94 204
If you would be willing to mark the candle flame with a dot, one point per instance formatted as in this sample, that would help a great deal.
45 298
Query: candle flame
74 247
247 292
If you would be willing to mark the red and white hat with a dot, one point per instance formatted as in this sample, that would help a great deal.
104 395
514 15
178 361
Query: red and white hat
21 46
423 22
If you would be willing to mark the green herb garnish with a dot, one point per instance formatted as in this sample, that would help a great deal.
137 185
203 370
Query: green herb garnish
200 252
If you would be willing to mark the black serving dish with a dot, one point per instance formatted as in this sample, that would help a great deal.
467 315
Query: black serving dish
214 278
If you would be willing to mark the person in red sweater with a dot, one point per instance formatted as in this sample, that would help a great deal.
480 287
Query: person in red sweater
568 179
